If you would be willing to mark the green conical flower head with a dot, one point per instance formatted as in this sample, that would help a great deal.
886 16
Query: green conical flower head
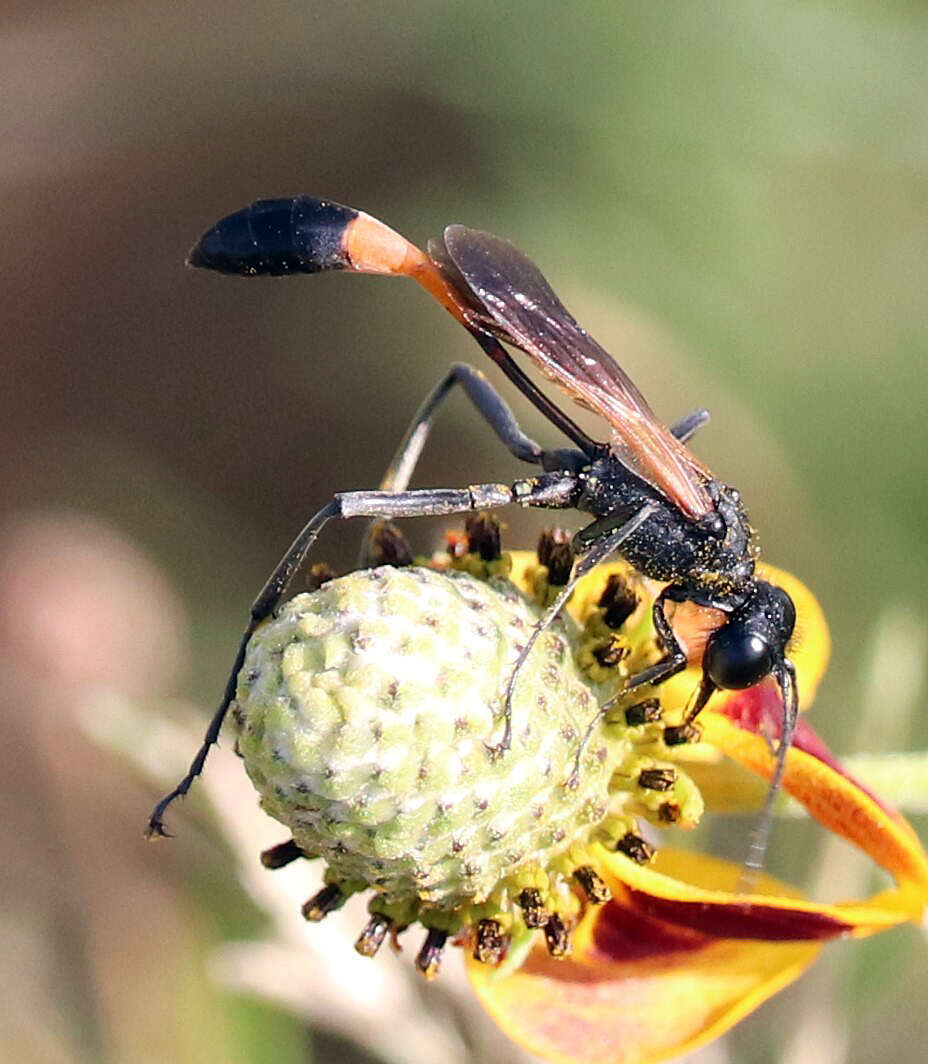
367 711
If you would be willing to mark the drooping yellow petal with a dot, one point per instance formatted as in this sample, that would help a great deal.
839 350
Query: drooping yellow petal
639 1012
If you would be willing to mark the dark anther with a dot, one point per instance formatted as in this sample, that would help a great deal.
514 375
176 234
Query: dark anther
610 654
635 847
534 912
319 574
669 812
618 602
388 546
645 712
371 938
556 553
483 535
596 891
282 854
556 937
657 779
490 942
324 902
678 734
428 960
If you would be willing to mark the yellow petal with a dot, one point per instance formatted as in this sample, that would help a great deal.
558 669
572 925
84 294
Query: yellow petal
639 1012
641 986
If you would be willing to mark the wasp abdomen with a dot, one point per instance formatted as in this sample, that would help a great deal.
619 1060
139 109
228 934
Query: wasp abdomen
277 236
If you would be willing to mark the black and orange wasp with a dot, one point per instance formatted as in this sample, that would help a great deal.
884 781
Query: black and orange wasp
652 501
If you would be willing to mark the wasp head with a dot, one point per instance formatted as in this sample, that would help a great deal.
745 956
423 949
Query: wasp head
752 644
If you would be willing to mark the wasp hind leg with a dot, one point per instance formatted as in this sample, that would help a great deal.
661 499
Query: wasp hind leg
497 414
379 504
489 403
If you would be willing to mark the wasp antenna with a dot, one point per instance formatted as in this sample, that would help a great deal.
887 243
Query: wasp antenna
760 836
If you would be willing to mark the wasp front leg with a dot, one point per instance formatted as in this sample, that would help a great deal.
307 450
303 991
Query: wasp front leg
674 659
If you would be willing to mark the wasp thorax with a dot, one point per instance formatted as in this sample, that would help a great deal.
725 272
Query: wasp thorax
366 712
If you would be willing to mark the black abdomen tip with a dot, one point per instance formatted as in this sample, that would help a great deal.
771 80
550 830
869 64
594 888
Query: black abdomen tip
275 237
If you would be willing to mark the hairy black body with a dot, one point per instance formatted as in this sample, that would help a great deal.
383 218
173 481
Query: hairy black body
714 557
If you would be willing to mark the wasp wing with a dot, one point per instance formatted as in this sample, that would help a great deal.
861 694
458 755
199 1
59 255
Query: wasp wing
521 308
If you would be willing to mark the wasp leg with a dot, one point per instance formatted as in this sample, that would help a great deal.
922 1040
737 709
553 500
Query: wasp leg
536 397
674 659
485 398
601 549
383 504
673 662
497 414
690 424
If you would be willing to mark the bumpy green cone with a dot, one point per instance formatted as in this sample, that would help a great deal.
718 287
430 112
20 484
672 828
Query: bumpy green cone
364 713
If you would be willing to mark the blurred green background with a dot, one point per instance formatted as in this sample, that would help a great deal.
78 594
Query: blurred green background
733 197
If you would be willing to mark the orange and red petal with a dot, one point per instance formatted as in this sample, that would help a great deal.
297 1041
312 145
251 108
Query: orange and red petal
816 779
706 894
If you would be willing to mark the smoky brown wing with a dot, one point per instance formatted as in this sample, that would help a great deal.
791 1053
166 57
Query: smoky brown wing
522 308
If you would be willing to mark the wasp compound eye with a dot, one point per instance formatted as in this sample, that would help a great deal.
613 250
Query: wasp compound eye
737 658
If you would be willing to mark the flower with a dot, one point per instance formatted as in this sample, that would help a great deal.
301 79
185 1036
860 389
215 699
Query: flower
680 954
368 713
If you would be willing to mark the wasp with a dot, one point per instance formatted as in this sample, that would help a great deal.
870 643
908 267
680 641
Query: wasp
649 498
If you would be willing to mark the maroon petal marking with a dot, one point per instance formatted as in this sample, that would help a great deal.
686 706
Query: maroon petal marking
741 919
621 935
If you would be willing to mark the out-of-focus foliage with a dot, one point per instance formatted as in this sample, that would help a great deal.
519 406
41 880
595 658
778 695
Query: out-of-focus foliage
732 196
